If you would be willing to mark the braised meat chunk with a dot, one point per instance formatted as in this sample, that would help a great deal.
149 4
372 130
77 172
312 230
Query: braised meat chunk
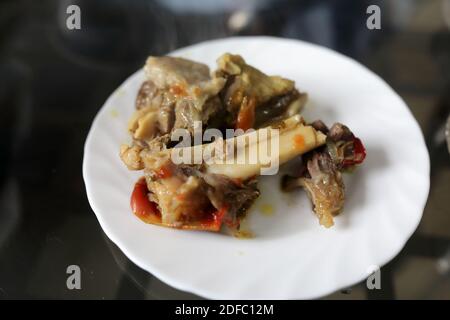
320 172
177 92
253 98
323 185
190 198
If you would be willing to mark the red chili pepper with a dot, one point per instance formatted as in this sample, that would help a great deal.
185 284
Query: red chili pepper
141 205
148 211
246 116
360 153
214 223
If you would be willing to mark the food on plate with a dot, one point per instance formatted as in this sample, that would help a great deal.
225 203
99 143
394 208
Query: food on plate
253 98
320 172
218 187
202 196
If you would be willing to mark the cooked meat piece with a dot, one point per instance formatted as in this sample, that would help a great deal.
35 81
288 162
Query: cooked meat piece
131 157
247 84
249 81
186 113
167 72
319 125
176 93
147 92
320 171
158 144
324 186
236 195
185 194
185 79
155 114
181 199
279 107
340 132
345 149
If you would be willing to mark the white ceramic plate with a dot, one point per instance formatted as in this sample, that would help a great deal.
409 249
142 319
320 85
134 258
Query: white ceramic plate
291 256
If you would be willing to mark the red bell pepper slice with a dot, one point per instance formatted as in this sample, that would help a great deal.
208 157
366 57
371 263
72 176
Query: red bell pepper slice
360 153
148 212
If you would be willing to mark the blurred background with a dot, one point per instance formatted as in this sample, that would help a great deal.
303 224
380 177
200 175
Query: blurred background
54 80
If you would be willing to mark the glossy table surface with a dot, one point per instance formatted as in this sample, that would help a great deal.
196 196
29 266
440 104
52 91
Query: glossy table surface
54 80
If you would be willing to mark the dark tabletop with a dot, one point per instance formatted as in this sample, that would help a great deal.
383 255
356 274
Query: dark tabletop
54 80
